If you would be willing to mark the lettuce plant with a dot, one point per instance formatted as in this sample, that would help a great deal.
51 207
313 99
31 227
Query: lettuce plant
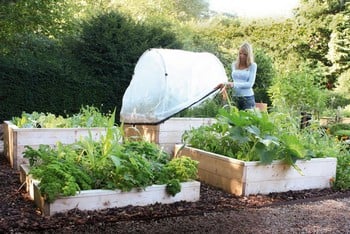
88 116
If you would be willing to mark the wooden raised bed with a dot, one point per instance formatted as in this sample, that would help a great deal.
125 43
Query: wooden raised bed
329 120
168 133
245 178
15 139
261 106
27 180
101 199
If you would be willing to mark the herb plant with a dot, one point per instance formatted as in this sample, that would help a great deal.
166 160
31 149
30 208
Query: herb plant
57 170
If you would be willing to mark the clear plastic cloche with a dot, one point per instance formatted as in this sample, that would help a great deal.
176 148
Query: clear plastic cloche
167 81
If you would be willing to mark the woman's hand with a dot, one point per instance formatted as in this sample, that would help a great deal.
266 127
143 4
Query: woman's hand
230 84
224 85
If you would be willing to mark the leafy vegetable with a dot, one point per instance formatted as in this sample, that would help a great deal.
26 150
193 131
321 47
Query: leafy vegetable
106 164
89 116
249 136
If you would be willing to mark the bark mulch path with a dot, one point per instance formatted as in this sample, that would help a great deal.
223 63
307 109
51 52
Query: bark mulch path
18 214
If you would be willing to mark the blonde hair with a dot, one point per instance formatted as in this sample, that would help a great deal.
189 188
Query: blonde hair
250 55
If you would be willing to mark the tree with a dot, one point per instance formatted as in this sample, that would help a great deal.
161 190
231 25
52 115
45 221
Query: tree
180 10
339 44
321 44
343 84
49 18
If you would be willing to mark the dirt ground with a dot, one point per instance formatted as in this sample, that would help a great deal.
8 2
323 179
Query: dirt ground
308 211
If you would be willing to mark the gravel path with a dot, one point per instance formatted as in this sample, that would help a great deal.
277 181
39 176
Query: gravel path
328 216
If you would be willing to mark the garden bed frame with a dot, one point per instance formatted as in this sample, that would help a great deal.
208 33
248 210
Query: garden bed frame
246 178
98 199
324 121
15 139
168 133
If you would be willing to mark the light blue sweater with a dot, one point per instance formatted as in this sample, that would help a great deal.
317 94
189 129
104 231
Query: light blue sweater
243 80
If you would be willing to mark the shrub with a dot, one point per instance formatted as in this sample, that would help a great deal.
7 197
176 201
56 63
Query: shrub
299 91
109 47
264 76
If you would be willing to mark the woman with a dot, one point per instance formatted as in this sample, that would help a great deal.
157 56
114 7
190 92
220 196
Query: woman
243 77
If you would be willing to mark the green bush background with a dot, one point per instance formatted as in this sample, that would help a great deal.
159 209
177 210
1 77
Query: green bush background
95 68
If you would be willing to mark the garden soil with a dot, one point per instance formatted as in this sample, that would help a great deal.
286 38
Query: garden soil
308 211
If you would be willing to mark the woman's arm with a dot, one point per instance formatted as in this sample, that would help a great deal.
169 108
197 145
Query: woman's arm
251 78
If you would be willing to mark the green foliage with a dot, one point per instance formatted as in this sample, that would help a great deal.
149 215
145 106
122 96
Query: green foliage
213 138
276 136
83 48
345 112
322 29
132 170
172 10
264 76
111 56
257 136
50 18
333 128
342 181
105 164
208 108
173 187
138 165
40 75
92 67
335 100
253 132
343 85
339 43
339 130
57 170
180 169
149 150
319 143
298 91
89 116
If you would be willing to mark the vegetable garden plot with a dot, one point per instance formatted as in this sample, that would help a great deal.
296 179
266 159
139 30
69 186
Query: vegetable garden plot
97 199
15 139
34 129
244 178
168 133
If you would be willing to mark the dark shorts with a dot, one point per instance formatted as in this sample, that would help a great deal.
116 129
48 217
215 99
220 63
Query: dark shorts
246 102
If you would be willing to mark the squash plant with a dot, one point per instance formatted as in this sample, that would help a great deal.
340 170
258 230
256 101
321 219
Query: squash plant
110 163
249 136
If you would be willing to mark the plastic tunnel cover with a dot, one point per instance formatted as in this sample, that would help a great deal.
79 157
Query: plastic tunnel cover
167 81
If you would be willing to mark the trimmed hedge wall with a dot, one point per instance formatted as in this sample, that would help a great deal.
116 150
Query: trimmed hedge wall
93 68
